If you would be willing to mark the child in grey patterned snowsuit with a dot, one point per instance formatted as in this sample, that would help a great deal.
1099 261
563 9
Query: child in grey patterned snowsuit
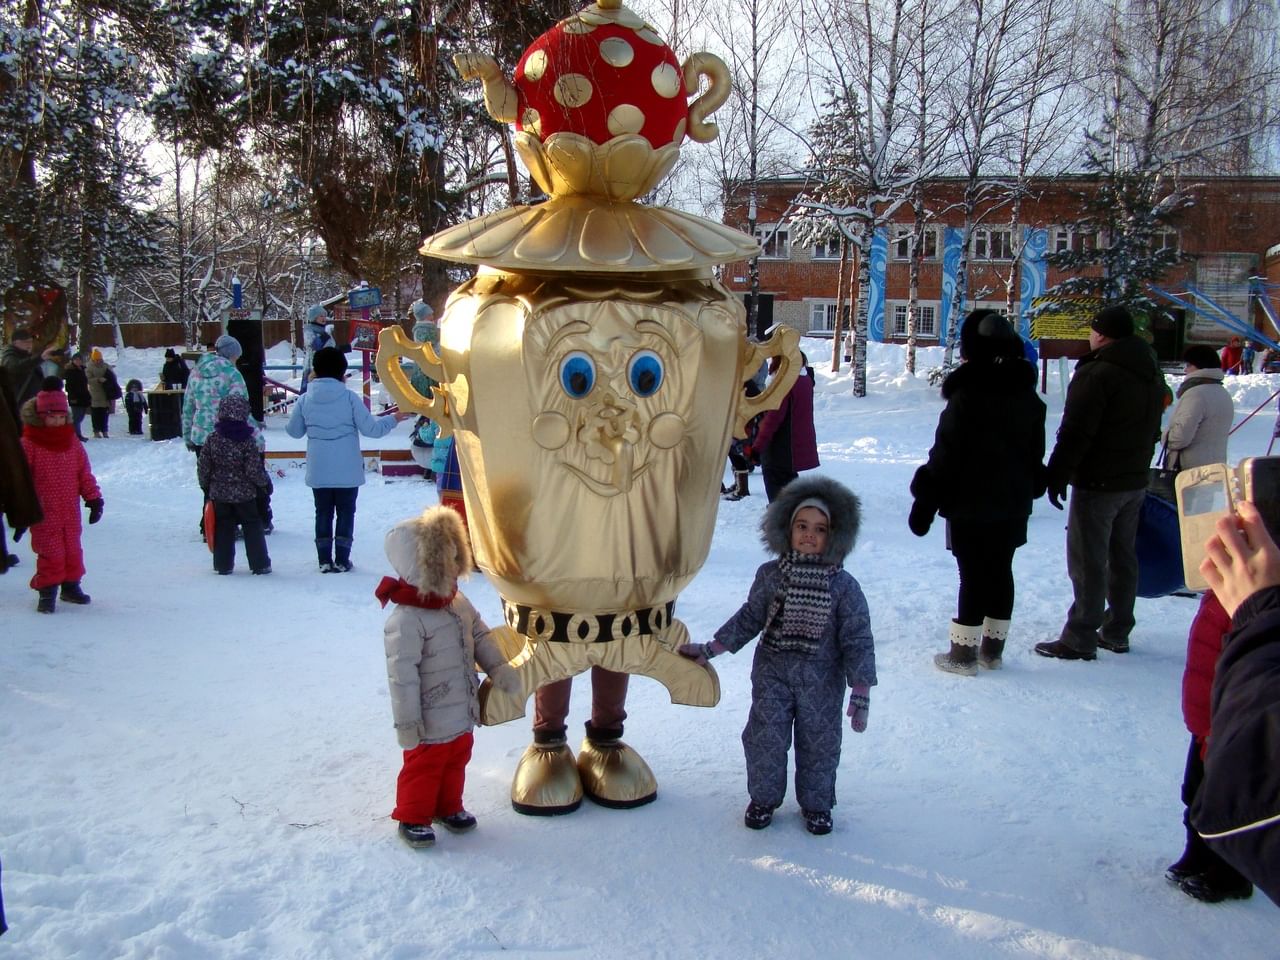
816 637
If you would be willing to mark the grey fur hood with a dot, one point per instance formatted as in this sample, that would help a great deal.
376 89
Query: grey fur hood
430 551
845 516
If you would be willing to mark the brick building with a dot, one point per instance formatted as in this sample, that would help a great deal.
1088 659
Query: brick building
1229 231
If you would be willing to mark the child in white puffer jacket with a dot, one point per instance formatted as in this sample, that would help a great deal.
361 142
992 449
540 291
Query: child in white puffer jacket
434 637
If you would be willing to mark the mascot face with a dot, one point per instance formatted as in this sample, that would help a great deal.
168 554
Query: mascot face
592 420
607 388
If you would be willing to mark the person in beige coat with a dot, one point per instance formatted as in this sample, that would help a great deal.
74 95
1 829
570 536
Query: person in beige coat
1201 418
434 637
103 392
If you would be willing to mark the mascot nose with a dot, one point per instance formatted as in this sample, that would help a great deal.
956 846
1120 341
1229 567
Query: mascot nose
615 415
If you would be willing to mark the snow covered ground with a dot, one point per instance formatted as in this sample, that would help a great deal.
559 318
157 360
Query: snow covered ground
200 767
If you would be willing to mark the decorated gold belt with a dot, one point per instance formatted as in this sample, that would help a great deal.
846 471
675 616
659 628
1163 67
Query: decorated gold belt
559 626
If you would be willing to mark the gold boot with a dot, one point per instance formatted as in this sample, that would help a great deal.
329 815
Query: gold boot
546 781
614 775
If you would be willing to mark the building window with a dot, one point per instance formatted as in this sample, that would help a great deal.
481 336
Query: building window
1070 240
775 239
992 243
902 243
822 315
926 320
827 249
1165 240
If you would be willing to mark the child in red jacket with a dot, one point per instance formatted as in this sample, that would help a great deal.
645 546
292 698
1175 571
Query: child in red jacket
61 475
1200 872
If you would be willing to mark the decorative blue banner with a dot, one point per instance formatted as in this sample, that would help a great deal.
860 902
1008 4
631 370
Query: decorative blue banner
1034 274
875 295
951 244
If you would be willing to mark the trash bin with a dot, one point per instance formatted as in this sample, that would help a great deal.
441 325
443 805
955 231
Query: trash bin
165 408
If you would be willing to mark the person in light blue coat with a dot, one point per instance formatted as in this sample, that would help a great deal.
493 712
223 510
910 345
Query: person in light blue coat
332 418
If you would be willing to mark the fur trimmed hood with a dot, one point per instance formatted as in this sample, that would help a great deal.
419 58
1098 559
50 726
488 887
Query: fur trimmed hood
845 517
430 551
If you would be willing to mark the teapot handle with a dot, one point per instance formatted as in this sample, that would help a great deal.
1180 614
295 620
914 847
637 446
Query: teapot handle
713 68
784 343
392 345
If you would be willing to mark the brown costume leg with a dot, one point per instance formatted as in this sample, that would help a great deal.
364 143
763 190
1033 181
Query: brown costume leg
608 700
551 710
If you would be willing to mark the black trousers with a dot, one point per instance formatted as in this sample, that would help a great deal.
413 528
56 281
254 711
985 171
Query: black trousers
226 517
984 556
100 418
1205 859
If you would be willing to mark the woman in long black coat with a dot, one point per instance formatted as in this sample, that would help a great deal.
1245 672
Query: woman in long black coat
984 471
18 502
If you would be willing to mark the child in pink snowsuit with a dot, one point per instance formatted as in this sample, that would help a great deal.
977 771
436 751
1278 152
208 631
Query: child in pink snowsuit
61 475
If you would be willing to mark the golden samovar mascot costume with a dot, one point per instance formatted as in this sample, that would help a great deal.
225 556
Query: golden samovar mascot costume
591 375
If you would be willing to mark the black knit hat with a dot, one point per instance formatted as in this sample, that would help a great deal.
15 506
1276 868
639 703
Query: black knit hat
1202 356
987 337
1114 322
329 362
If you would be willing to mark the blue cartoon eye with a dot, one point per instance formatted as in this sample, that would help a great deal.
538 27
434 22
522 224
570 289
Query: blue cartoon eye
577 375
644 373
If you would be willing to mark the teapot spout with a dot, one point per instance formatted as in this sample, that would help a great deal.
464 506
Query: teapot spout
499 93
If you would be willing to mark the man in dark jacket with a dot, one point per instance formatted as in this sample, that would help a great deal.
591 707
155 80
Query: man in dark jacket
24 367
1109 428
1237 809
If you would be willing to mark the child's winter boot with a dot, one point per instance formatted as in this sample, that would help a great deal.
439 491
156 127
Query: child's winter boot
417 834
459 822
71 593
991 650
48 598
341 555
962 658
817 822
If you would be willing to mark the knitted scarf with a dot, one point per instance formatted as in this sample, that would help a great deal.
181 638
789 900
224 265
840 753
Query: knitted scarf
403 592
1192 382
799 610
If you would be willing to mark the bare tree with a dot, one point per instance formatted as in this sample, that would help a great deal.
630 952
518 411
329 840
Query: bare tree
996 37
756 121
1049 73
1186 89
930 72
861 143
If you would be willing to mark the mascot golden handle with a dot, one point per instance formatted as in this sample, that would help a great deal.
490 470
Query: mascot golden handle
783 343
713 68
392 345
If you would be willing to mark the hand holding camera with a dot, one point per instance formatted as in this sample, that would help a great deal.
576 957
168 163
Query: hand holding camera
1241 557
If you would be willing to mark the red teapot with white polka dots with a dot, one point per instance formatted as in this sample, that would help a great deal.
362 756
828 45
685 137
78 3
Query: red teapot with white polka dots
600 103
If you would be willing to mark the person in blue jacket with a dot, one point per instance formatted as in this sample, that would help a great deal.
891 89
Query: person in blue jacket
332 418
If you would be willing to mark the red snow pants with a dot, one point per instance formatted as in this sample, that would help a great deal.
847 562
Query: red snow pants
430 782
59 558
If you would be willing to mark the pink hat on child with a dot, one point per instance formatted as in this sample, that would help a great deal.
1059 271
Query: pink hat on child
51 399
